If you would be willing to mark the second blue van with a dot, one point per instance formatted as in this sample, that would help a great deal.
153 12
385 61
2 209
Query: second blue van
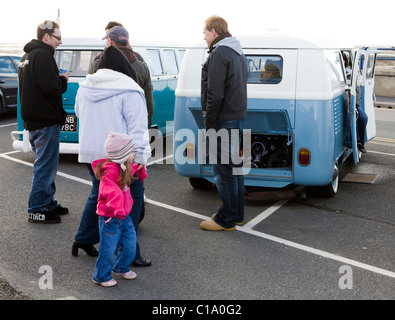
76 54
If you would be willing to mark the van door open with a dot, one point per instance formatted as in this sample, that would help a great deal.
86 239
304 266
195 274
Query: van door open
362 86
355 76
367 87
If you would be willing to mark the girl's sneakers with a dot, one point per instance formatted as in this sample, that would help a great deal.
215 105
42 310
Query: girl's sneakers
130 275
109 283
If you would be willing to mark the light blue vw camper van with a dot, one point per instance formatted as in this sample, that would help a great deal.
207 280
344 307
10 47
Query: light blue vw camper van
75 55
301 113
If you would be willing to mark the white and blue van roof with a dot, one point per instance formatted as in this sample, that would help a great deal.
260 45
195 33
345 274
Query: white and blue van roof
99 44
283 41
309 67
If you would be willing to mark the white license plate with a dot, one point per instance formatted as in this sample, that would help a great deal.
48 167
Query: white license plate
70 125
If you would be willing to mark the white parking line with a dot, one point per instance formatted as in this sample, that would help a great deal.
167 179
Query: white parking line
6 156
259 218
381 139
8 125
183 211
319 252
384 153
62 174
159 160
288 243
246 229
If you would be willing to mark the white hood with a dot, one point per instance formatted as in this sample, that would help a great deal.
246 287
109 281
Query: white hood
109 83
109 101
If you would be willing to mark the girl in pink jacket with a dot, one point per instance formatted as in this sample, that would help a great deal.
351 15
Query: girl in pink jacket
117 233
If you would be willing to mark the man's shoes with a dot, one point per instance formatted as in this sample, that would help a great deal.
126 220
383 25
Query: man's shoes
211 225
361 148
43 217
141 262
48 216
60 211
237 223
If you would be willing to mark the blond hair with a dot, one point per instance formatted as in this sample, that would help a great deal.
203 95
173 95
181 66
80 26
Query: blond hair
218 24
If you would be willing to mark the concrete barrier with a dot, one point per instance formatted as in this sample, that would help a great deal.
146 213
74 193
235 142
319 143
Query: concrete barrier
384 82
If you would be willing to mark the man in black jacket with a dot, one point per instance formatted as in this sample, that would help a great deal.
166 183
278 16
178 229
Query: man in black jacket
224 105
40 88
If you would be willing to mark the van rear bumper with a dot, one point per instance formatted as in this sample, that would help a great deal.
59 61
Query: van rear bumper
21 143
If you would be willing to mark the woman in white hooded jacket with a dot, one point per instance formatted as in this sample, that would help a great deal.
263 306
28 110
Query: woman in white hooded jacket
108 101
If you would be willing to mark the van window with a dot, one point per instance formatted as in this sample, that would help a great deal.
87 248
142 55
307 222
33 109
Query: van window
155 62
181 55
6 65
171 61
264 69
75 61
371 64
336 70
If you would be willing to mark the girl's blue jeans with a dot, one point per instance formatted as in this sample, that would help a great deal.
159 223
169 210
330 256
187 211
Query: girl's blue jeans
88 230
116 235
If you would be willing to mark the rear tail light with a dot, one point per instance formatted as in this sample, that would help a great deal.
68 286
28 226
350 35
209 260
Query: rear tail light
304 157
189 151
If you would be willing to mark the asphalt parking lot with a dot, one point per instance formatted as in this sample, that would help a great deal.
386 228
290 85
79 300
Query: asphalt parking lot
321 249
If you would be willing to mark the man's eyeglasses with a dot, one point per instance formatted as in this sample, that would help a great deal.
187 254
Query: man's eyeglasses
56 37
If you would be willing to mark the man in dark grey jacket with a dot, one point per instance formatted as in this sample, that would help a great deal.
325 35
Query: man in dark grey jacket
224 105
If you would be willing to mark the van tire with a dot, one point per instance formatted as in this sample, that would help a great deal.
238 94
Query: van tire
330 190
200 183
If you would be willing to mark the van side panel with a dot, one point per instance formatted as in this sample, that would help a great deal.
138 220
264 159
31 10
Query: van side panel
186 130
69 131
164 99
312 116
312 76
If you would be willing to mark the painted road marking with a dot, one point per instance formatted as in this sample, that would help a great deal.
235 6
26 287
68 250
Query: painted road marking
247 229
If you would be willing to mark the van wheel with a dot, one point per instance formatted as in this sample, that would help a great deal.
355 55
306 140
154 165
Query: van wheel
200 183
330 190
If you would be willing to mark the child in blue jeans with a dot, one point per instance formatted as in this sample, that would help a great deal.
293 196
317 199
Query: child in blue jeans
117 248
